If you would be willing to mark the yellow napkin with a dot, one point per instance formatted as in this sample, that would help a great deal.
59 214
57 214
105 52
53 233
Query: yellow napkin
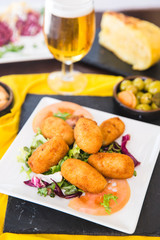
98 85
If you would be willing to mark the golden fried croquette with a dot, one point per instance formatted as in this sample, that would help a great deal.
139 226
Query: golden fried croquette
48 154
112 165
83 176
111 129
52 126
109 132
117 123
88 135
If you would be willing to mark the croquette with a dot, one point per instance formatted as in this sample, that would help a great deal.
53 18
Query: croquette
112 165
111 129
52 126
48 154
83 176
88 135
117 123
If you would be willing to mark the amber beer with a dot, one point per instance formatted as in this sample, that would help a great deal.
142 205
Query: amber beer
69 34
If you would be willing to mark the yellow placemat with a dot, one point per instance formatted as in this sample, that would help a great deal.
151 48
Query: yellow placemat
98 85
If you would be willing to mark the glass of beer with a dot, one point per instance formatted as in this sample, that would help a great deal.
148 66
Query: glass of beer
69 30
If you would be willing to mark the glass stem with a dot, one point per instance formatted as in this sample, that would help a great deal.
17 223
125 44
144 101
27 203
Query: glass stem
67 69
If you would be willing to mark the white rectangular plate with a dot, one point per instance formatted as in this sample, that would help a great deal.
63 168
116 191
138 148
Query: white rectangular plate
144 145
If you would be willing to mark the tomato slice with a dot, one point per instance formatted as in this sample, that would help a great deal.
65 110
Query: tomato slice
72 108
90 203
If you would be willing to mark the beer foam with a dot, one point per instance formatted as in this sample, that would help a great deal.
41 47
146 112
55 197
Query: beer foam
69 8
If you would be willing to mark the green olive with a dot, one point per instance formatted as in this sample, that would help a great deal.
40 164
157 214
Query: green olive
154 106
147 82
132 89
154 87
146 98
156 99
139 83
143 107
124 84
139 95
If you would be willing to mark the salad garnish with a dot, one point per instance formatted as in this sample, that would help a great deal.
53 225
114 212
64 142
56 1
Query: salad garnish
113 147
43 192
62 115
106 201
135 173
62 189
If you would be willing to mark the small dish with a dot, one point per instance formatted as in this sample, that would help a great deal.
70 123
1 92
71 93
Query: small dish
132 112
6 107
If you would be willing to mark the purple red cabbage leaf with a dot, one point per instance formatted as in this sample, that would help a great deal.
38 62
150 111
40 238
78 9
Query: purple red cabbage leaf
124 150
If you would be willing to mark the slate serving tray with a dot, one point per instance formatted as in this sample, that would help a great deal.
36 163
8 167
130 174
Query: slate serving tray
102 58
26 217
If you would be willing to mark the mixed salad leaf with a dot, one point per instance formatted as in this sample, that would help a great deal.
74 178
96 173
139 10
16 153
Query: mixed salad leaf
113 147
26 152
62 189
42 191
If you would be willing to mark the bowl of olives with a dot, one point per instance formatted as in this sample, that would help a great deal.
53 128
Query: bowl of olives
138 97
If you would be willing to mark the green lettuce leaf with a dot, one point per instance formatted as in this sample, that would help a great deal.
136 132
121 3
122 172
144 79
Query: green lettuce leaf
61 115
106 201
26 152
74 152
38 140
42 191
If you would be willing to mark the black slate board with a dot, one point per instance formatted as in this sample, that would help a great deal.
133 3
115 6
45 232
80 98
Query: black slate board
106 60
27 217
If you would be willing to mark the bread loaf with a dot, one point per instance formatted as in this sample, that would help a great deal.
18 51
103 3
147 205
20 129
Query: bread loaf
134 41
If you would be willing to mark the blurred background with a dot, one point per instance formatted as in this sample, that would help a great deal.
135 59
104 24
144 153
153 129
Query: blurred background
102 5
27 25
